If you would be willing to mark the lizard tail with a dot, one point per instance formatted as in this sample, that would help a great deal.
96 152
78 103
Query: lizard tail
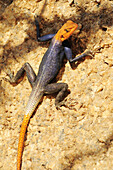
21 140
31 105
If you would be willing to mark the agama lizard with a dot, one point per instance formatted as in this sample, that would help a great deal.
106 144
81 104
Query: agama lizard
49 68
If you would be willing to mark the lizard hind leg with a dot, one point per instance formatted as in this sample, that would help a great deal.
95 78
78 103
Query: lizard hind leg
14 80
59 88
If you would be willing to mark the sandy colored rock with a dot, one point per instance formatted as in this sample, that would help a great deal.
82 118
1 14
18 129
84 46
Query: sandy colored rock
80 135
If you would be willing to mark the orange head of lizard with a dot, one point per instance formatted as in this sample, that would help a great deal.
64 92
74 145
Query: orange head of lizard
66 30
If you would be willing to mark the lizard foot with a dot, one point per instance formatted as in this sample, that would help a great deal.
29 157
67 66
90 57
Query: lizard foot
89 53
59 104
10 74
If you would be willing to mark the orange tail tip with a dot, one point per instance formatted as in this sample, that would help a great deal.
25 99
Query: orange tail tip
66 30
21 140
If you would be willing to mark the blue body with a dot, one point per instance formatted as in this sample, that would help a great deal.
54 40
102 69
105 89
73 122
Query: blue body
51 63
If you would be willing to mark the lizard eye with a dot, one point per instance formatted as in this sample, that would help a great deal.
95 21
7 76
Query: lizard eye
66 30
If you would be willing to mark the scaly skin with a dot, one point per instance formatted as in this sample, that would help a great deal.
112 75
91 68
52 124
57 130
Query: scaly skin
21 140
67 29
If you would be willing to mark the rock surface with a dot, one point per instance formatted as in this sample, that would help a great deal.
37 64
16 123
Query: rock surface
80 135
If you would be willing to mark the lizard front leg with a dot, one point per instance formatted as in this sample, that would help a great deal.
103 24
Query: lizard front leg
42 38
59 88
14 80
68 53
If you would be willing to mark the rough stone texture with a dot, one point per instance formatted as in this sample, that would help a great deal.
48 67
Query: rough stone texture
80 135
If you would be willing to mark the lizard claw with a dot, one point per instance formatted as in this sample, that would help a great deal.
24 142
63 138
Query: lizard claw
9 73
9 81
5 79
